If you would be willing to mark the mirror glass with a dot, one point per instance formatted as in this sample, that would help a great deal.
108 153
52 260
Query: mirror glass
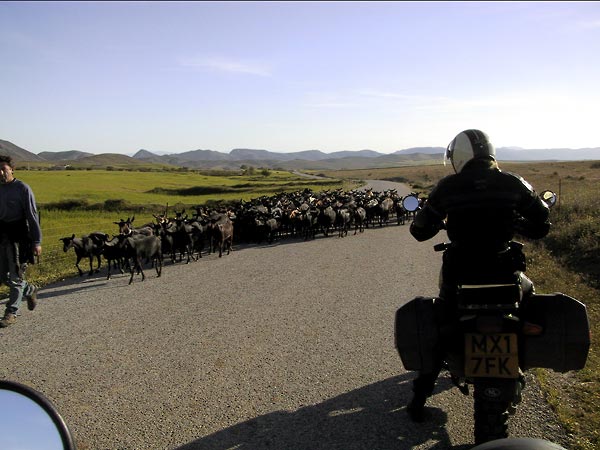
410 203
549 198
26 424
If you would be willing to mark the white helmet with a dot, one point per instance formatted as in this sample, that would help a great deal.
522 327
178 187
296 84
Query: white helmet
468 145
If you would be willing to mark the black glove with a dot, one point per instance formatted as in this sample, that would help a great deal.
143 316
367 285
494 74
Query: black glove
530 229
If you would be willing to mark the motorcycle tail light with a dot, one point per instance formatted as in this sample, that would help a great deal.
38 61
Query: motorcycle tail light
532 329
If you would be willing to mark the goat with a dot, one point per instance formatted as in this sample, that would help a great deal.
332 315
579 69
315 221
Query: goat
88 246
401 212
385 207
140 247
221 233
164 231
182 238
342 221
199 229
308 220
126 228
359 217
114 255
266 228
326 219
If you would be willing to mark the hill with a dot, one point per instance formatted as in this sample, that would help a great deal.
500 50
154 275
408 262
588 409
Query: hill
424 150
316 159
303 160
109 159
18 153
70 155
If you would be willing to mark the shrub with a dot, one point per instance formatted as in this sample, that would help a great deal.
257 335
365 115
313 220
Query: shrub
69 204
116 205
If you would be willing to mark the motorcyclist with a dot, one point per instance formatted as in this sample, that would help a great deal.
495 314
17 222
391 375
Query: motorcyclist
482 208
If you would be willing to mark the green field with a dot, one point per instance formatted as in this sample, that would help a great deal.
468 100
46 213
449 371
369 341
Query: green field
160 188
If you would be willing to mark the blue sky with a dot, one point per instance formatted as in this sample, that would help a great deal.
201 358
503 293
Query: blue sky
31 427
290 76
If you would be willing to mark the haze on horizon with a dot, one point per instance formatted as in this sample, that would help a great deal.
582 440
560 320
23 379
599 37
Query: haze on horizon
170 77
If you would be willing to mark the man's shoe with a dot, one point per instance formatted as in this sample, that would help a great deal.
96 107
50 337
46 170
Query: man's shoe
416 409
8 319
32 298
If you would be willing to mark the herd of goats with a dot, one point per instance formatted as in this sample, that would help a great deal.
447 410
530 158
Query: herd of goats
302 214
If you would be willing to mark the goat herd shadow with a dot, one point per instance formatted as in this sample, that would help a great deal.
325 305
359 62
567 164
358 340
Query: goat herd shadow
369 418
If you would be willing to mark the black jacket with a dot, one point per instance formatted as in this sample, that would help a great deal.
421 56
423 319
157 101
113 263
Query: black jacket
484 208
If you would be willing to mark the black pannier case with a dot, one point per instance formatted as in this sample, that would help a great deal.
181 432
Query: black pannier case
416 334
565 340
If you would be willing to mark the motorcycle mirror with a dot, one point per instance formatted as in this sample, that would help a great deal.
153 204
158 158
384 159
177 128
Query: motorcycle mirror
519 444
549 198
33 421
410 203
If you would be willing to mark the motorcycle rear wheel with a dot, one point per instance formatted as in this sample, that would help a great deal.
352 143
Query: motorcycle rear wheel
491 417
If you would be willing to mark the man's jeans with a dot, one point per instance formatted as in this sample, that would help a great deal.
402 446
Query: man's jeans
11 274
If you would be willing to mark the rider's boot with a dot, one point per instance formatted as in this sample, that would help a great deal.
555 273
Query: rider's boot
416 408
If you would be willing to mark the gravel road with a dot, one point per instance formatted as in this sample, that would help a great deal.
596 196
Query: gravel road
286 346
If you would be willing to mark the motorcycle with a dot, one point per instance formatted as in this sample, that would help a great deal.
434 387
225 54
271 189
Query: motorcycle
498 335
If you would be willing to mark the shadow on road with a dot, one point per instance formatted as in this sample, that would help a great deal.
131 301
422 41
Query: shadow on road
373 417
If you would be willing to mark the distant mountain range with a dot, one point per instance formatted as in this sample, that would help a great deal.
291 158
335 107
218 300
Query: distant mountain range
304 160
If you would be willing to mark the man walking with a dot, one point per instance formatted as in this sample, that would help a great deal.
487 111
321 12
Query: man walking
20 239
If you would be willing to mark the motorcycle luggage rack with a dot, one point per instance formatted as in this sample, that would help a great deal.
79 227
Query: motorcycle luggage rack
489 296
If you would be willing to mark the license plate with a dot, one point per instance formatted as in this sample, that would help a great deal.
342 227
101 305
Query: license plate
491 355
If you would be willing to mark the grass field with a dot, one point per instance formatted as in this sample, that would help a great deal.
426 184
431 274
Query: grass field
159 188
567 260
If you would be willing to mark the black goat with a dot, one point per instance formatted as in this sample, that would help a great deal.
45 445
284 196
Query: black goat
126 228
182 238
88 246
114 254
326 219
142 247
